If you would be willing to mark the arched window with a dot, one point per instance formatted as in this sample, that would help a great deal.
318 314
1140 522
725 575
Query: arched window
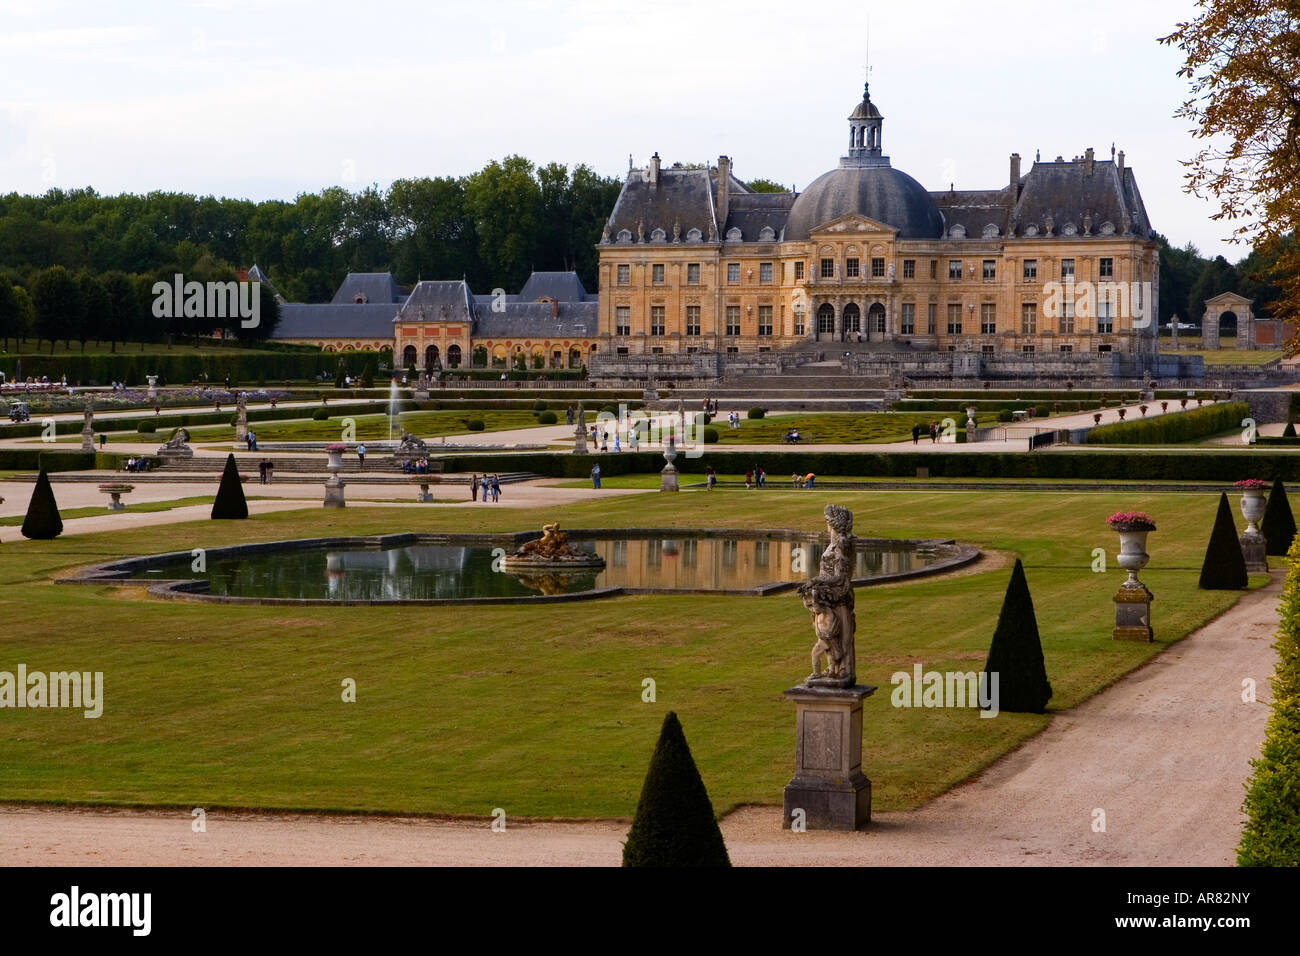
852 318
408 356
826 318
876 318
733 234
431 357
658 236
453 356
694 235
575 357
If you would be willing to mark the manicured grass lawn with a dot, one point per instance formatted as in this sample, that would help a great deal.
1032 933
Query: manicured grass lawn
66 513
538 709
1230 356
833 428
369 427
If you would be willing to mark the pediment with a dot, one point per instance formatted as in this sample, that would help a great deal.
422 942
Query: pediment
1229 298
853 224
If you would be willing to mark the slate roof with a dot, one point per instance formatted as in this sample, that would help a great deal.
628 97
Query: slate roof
561 286
309 321
1067 192
439 301
522 319
682 196
374 286
750 212
255 274
881 193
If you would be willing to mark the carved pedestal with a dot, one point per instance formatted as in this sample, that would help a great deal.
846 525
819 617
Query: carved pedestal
828 785
334 492
1253 548
1133 614
668 478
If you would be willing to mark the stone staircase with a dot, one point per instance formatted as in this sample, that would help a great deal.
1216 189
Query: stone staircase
814 387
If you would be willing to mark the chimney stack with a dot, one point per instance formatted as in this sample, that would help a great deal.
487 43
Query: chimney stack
724 191
1015 175
654 169
1088 160
1121 160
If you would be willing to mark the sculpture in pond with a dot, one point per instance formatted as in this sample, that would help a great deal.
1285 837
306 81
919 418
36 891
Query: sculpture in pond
829 597
553 551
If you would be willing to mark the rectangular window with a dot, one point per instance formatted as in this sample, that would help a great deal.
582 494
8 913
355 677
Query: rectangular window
909 319
622 320
909 268
1067 317
828 268
656 320
934 268
1067 268
988 318
1029 318
732 350
990 270
954 270
692 273
954 318
657 273
765 272
851 268
1105 317
733 320
1030 272
621 350
931 318
798 270
1106 268
986 349
657 350
1027 349
877 268
798 323
733 271
1067 348
764 320
624 274
692 320
825 321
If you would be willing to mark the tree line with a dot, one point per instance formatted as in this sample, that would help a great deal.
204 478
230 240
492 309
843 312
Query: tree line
1188 278
491 227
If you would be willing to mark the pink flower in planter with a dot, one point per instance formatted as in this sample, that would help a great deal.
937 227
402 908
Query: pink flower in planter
336 446
1250 484
1131 521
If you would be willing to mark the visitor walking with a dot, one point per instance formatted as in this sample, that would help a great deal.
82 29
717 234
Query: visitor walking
473 487
916 434
270 470
617 449
361 457
934 432
487 487
762 478
710 478
496 489
261 472
595 477
568 415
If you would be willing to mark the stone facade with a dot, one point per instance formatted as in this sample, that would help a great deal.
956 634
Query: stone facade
693 261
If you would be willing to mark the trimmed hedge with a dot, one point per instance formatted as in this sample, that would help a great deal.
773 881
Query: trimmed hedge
546 418
1271 836
1221 466
1224 568
1016 653
756 412
1173 427
42 522
182 369
1278 526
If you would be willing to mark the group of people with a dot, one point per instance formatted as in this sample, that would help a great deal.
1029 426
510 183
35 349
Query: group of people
264 469
792 436
802 481
489 485
709 406
251 439
755 478
918 430
420 467
733 419
137 464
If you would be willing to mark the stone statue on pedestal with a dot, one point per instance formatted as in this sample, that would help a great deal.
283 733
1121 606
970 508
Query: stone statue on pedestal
241 419
829 597
88 427
580 432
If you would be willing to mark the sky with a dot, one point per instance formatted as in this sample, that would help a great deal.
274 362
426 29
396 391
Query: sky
266 100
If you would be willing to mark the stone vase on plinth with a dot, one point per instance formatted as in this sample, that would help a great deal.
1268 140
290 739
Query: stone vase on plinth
334 483
1132 600
1253 546
668 477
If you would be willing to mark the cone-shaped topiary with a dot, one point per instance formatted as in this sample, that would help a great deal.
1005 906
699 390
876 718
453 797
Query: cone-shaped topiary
1016 655
1225 566
230 502
42 521
1278 525
674 823
1289 431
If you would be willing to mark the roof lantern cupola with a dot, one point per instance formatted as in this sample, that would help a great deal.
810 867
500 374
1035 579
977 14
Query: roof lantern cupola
864 134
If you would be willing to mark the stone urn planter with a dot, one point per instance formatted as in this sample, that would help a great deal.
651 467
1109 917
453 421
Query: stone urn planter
1096 418
1164 406
1143 410
1253 546
334 483
1122 412
1182 403
1132 600
116 489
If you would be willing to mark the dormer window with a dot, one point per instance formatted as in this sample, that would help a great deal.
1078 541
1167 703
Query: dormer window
766 234
694 235
733 234
359 298
658 236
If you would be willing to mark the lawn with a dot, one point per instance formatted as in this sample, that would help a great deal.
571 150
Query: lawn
836 428
1230 356
538 709
368 427
146 506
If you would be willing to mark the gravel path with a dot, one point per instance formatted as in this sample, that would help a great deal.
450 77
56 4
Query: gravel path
1164 752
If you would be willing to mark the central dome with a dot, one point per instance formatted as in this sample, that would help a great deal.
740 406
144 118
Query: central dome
881 193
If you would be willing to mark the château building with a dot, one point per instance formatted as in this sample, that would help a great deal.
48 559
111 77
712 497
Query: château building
1061 259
